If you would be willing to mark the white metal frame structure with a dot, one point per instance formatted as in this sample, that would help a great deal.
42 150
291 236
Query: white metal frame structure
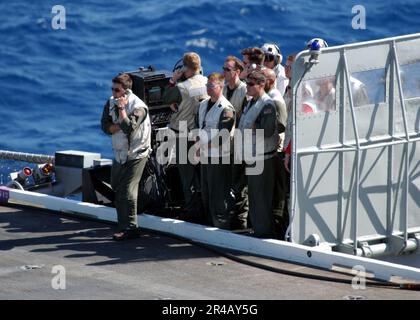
355 182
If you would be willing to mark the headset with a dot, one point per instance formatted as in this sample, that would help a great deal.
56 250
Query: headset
277 58
179 66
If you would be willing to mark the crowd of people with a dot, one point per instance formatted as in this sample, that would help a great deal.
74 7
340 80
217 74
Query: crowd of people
250 99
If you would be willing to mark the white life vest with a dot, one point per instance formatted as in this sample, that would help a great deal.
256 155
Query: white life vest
237 97
281 111
193 90
137 145
209 124
266 145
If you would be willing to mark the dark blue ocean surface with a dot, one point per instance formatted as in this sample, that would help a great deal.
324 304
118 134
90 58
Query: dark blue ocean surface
54 83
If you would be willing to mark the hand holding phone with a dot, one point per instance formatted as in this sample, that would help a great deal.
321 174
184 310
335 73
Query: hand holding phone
178 74
122 102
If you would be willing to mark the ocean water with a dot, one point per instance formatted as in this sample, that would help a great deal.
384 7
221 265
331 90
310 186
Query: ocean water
54 83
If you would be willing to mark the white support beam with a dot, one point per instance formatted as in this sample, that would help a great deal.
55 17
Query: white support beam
276 249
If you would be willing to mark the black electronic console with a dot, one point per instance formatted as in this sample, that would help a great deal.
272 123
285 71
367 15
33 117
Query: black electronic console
149 85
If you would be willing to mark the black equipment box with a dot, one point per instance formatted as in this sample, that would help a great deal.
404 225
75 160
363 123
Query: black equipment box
149 85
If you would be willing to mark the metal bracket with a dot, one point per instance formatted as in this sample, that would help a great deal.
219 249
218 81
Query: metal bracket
345 248
312 241
367 251
397 244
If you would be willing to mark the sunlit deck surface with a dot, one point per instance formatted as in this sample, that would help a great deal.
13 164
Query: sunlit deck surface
151 267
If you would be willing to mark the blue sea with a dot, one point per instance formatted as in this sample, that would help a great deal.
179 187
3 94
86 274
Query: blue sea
54 83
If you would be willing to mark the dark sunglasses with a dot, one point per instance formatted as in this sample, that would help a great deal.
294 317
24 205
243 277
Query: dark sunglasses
212 85
269 57
227 69
116 90
250 83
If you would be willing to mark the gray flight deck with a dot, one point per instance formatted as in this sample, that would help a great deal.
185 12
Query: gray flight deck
151 267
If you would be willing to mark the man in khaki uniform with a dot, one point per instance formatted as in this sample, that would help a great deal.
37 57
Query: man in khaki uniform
216 119
126 118
280 183
185 91
235 89
235 92
257 150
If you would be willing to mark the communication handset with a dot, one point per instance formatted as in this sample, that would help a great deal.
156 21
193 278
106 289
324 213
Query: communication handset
126 93
179 67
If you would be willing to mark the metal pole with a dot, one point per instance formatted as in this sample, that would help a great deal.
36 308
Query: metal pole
341 162
26 157
371 43
293 168
315 151
356 135
346 149
407 136
390 193
293 165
